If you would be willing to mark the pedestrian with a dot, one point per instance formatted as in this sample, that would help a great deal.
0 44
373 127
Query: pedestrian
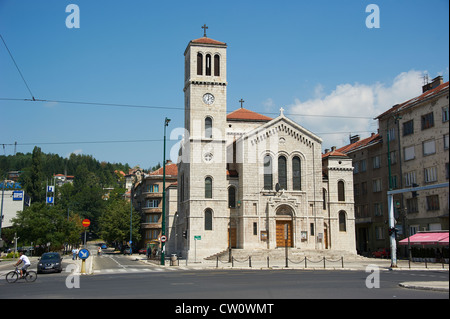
74 253
99 251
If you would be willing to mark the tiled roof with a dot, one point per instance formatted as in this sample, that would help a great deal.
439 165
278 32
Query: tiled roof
334 153
418 99
206 40
362 143
171 169
243 114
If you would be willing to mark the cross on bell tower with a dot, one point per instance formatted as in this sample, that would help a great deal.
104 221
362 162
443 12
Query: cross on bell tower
204 27
242 102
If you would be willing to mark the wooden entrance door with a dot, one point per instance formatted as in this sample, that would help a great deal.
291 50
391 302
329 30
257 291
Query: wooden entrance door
232 235
281 231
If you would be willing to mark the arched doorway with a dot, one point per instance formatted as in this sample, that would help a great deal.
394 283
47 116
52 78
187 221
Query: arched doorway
284 227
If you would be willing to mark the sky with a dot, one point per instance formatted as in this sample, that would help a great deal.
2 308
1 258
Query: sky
332 65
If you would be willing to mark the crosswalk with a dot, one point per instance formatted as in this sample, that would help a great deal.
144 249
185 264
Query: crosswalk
125 270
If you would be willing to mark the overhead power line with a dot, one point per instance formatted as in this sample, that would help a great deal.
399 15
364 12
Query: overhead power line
173 108
17 67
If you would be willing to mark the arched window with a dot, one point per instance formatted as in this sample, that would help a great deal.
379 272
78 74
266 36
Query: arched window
341 191
208 219
268 182
342 221
208 127
208 187
216 65
199 63
282 172
208 64
296 175
231 197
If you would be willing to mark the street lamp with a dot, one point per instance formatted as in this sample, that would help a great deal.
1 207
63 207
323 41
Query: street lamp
163 224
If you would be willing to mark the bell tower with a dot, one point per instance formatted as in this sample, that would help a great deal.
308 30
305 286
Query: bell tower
202 180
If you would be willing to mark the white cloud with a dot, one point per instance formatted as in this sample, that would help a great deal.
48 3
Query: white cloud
76 152
357 104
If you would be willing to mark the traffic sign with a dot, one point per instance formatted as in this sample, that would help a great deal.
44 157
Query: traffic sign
86 222
163 238
83 253
198 237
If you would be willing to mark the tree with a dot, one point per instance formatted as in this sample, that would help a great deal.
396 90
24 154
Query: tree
115 221
41 224
33 178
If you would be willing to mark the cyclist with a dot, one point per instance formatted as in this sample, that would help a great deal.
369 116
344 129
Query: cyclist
26 263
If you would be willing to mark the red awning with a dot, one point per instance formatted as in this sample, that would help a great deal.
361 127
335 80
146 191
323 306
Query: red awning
427 238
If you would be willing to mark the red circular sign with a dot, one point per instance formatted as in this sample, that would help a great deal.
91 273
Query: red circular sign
86 222
163 238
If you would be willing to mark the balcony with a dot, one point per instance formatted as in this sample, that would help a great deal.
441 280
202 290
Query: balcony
150 225
152 195
151 210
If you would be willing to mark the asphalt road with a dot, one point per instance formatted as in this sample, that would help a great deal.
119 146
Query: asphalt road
119 277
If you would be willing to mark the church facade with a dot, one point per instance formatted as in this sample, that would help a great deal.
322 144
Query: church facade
247 181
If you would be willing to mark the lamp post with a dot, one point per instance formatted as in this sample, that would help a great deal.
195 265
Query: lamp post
163 224
131 219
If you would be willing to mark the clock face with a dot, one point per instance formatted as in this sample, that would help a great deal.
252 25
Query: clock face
208 98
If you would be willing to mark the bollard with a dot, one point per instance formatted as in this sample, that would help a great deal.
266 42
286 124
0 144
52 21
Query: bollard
323 262
217 261
267 261
83 266
250 261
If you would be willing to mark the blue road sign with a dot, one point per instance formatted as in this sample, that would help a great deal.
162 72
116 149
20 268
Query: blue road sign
83 253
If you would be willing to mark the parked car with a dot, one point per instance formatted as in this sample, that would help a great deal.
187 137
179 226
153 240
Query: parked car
126 251
103 246
381 253
49 262
143 251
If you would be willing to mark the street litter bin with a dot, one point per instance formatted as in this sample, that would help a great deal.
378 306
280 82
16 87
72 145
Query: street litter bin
174 260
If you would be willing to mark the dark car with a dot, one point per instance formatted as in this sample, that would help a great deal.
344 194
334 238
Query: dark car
49 262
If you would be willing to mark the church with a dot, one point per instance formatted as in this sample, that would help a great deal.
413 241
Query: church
248 181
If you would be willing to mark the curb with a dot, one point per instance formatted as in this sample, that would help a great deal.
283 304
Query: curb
426 285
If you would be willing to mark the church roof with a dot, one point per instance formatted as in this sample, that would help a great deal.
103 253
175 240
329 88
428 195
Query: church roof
206 40
243 114
334 153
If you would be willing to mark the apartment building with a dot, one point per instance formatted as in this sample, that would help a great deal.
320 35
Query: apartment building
411 149
147 199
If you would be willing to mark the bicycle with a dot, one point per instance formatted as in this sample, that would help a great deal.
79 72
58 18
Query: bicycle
14 275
